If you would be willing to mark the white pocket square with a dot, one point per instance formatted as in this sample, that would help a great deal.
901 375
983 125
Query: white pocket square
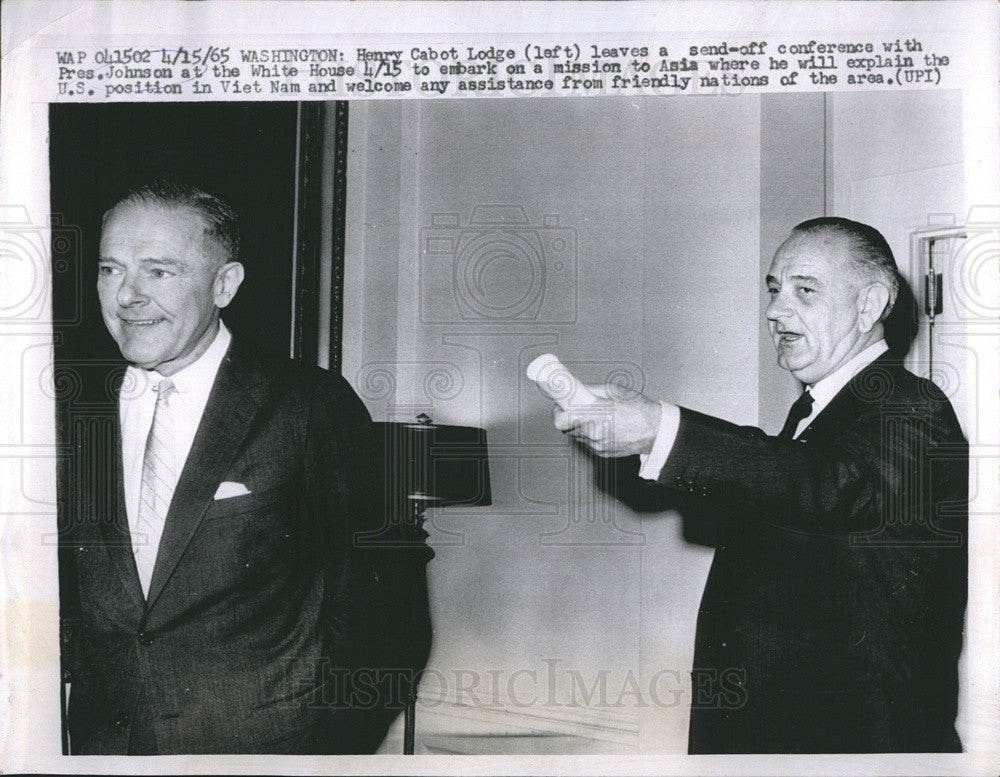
228 490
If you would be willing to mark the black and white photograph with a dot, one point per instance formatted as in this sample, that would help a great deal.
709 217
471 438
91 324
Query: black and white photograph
651 432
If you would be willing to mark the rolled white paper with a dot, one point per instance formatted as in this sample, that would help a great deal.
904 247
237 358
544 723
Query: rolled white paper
558 383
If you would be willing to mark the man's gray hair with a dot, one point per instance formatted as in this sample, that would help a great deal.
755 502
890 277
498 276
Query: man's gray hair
222 224
869 252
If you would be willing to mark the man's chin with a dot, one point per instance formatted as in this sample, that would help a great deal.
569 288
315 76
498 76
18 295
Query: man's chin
801 372
140 357
807 374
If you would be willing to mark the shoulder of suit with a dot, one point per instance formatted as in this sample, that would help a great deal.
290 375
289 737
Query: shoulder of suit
282 374
887 381
274 365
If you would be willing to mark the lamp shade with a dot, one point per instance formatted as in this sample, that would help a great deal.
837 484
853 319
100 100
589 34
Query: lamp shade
435 463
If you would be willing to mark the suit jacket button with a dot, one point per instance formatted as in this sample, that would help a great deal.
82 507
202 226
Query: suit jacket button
679 482
145 638
123 720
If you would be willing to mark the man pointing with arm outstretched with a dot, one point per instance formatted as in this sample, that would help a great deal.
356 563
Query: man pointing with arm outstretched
837 593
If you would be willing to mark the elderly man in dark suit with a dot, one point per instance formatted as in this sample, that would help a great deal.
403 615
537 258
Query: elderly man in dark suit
832 616
229 597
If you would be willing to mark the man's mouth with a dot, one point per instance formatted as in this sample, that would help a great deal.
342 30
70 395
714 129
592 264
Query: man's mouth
787 338
141 321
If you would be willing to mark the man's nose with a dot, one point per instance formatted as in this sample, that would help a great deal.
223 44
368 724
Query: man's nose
776 308
130 292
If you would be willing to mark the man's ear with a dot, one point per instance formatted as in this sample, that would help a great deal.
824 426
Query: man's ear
872 300
227 280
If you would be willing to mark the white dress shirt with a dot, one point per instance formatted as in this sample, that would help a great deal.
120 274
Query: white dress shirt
822 392
135 411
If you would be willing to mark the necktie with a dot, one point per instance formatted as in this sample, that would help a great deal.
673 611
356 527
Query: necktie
159 478
800 409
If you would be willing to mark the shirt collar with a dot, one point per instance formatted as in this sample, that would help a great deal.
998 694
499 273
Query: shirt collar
826 389
195 377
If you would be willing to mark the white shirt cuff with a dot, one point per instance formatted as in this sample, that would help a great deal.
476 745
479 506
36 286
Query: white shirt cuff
652 462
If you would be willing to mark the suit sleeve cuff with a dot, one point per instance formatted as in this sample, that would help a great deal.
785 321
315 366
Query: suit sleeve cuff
652 462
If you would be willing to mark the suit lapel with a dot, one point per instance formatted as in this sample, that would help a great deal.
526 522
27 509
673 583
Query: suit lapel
116 534
231 407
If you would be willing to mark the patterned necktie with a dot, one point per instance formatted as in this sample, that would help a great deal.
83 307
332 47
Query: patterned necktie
159 478
800 409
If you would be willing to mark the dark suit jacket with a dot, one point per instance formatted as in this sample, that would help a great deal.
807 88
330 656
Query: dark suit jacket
832 616
265 627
